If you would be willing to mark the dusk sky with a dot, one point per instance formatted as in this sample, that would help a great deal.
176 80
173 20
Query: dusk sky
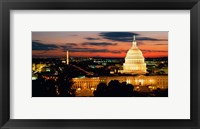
98 44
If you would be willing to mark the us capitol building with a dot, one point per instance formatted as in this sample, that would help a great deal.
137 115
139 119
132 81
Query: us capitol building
134 60
134 70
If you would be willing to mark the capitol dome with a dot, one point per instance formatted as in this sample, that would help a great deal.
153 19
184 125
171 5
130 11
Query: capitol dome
134 60
134 53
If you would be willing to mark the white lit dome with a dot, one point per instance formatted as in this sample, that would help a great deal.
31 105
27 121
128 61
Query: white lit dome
134 53
134 60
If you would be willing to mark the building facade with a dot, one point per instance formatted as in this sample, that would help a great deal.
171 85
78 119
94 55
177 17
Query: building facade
153 82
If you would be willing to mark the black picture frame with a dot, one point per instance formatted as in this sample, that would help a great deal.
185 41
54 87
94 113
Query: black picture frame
7 5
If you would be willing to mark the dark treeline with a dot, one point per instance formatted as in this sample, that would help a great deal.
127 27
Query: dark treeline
117 89
61 87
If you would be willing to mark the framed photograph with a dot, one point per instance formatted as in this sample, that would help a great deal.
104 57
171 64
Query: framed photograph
99 64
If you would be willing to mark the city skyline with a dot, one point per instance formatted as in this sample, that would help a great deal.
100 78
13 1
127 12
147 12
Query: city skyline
153 44
100 77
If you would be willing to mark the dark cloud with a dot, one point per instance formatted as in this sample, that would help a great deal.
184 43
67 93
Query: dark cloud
89 38
75 49
126 37
150 39
140 43
87 50
99 44
42 46
71 44
154 51
161 44
116 52
118 36
36 41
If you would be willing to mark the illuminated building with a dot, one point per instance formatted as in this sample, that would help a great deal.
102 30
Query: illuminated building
134 60
152 82
38 67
